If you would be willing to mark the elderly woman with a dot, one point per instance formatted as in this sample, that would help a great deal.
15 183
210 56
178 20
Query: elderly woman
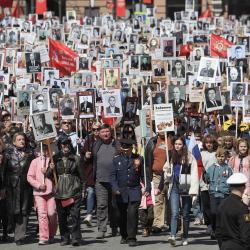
18 190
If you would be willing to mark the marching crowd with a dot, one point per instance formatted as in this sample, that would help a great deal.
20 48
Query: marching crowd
128 169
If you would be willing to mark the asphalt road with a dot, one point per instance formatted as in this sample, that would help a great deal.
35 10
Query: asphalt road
198 240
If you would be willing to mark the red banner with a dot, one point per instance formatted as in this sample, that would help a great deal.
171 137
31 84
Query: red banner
219 46
17 13
6 3
41 6
120 8
147 1
62 57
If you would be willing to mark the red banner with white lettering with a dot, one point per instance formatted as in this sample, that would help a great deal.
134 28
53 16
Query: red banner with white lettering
62 57
41 6
6 3
120 8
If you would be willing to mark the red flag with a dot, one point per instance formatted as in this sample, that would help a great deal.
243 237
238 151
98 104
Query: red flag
147 1
15 11
62 57
120 8
6 3
41 6
206 13
219 46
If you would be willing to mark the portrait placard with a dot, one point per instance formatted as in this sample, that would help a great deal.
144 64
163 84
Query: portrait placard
164 119
86 104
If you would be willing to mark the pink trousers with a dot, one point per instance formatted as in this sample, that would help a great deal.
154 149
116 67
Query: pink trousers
47 216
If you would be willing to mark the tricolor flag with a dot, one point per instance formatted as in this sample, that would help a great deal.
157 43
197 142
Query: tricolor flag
194 149
219 46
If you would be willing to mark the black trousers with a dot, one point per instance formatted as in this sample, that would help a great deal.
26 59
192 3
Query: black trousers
3 216
128 221
63 212
205 200
147 217
214 203
20 222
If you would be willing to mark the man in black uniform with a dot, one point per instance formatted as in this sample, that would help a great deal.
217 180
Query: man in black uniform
125 179
233 218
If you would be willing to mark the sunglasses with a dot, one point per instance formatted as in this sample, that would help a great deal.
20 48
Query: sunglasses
69 123
95 129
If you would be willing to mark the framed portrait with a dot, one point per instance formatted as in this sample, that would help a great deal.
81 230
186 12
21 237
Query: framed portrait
168 46
246 108
43 126
130 109
111 78
32 87
145 63
12 38
178 69
159 97
39 103
96 32
9 57
2 39
86 104
23 102
84 63
67 107
213 99
134 64
237 91
2 56
226 103
148 92
54 95
207 69
112 103
33 62
234 74
89 79
78 79
197 53
70 15
177 96
136 25
160 68
195 124
236 52
195 89
49 75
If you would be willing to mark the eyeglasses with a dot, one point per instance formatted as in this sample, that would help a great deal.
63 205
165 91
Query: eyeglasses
95 129
69 123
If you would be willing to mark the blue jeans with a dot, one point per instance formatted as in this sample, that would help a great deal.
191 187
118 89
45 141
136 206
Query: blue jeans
90 200
175 207
197 212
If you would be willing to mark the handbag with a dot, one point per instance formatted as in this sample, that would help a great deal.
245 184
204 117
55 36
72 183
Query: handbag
185 180
67 202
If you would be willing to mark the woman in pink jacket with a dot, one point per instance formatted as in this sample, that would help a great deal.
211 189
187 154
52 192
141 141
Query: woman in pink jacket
44 200
241 163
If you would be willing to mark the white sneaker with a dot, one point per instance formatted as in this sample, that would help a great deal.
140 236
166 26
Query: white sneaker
172 241
197 221
184 242
88 220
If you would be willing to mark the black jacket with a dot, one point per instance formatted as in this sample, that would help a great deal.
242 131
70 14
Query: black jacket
70 178
149 156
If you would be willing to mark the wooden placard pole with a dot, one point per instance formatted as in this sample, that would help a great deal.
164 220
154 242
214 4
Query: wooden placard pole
77 147
202 98
216 121
151 115
114 127
237 120
48 143
166 143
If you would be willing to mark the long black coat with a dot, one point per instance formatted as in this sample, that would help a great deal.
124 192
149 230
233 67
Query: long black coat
19 191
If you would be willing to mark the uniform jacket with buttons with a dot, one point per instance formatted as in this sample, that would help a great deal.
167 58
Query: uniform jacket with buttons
125 178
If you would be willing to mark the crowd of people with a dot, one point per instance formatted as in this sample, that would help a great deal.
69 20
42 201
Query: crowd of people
94 136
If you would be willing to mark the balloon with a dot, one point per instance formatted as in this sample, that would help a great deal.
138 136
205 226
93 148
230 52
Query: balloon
185 50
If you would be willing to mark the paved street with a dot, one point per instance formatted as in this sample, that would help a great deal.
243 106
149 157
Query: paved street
198 240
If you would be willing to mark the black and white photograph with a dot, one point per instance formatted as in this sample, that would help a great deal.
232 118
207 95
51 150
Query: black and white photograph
50 75
71 15
168 46
148 92
23 102
134 63
234 74
237 91
136 24
246 108
39 103
159 98
130 108
1 59
197 53
89 79
12 38
111 78
207 69
145 63
236 52
178 69
159 69
213 99
244 41
112 103
78 79
195 125
189 5
226 103
33 62
67 107
86 104
84 63
43 126
177 98
54 95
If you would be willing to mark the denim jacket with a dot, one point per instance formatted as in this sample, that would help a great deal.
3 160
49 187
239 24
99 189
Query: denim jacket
217 178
